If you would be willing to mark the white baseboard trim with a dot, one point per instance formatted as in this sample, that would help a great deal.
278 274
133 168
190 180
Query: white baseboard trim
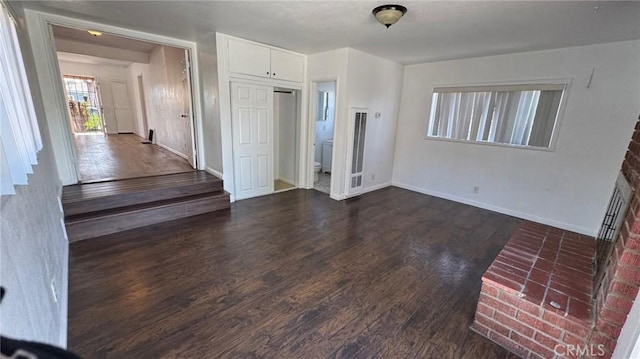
175 152
507 211
214 172
376 187
340 197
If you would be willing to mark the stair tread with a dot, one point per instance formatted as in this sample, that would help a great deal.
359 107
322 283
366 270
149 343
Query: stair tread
143 206
91 191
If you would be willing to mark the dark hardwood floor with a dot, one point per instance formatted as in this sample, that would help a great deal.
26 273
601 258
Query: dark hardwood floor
391 274
109 157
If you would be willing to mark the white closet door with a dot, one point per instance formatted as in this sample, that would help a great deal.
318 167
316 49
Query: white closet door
252 127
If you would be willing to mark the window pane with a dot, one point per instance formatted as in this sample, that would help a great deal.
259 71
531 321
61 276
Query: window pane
522 115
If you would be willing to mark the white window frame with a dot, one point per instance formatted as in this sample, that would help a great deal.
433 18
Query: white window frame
565 82
20 139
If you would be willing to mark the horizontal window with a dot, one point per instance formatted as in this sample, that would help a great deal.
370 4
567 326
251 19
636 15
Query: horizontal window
521 115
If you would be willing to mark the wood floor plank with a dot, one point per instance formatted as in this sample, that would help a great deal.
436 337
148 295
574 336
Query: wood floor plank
117 156
390 274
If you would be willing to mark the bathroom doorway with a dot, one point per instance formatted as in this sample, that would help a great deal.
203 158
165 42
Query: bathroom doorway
325 98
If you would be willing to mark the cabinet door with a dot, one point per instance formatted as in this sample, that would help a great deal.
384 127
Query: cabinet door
287 66
249 59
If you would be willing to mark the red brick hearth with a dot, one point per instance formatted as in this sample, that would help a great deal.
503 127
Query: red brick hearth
537 295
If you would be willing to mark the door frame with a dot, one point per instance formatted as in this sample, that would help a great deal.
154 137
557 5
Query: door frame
98 95
46 63
143 104
311 133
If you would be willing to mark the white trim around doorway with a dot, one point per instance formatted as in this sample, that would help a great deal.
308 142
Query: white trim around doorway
46 64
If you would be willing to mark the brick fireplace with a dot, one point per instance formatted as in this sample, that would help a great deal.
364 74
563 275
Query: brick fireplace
538 297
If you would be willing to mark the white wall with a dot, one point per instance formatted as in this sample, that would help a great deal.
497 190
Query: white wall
324 129
568 187
133 71
322 67
33 245
208 58
284 124
362 80
163 97
105 74
375 83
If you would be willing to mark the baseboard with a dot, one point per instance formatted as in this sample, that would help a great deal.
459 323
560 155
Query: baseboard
376 187
340 197
529 217
172 150
214 172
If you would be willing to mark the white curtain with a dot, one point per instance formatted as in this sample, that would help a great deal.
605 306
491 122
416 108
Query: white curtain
19 134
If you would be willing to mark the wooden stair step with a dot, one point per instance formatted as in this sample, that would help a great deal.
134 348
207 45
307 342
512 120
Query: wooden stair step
113 220
96 197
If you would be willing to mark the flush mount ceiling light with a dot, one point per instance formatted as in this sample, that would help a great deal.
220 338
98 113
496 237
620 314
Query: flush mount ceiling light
388 15
94 32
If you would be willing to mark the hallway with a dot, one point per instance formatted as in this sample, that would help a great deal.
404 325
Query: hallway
109 157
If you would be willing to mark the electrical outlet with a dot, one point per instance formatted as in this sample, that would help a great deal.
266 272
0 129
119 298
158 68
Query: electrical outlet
54 290
373 176
476 189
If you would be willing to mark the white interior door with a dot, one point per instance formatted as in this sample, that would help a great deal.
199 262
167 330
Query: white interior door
188 111
121 108
252 127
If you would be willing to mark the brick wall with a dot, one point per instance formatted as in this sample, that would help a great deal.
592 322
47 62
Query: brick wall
622 278
528 330
536 296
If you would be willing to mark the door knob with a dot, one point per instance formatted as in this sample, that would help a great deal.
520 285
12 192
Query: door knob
184 116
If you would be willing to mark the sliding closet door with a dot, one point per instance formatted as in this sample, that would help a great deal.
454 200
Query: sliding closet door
252 127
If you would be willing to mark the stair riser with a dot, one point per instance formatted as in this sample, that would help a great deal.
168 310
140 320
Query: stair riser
128 199
119 222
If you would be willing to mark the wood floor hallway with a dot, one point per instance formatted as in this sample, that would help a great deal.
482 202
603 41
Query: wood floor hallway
109 157
390 274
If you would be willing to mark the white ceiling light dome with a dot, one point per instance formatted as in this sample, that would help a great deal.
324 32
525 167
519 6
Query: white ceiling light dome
388 15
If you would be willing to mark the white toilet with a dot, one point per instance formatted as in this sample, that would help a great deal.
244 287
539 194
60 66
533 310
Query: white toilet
316 169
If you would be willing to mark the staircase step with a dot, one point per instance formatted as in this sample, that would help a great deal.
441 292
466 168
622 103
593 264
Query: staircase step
95 197
113 220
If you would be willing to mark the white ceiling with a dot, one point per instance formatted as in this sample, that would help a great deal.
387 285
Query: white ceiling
430 31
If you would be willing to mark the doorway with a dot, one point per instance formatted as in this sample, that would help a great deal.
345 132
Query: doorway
138 86
143 108
265 136
83 99
285 124
324 125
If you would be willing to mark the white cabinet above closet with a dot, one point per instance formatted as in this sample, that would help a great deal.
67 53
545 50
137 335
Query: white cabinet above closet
259 60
